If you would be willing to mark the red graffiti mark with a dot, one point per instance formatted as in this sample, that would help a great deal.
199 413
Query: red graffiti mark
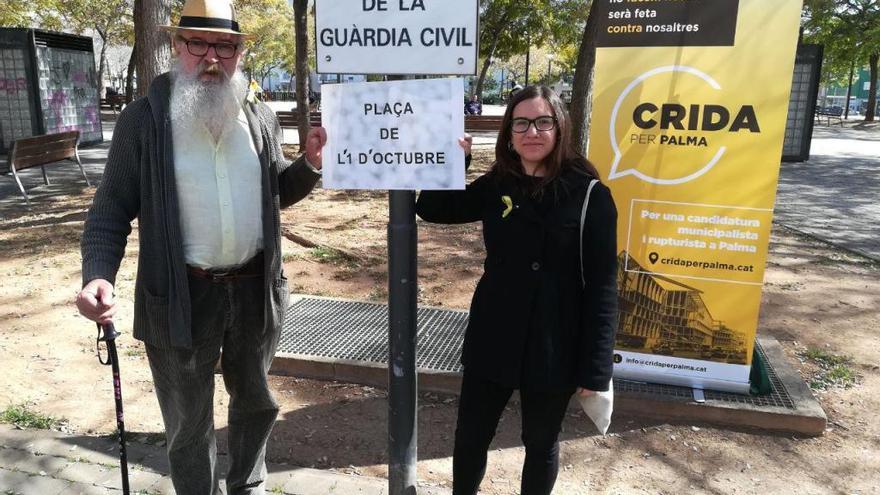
57 99
63 128
91 116
13 86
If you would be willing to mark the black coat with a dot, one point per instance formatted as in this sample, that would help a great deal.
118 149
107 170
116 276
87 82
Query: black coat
531 321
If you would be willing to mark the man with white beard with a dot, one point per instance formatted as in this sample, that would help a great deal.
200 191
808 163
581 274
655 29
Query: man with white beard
198 162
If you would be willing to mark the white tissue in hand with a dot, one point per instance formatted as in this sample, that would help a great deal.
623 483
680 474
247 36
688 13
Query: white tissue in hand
599 407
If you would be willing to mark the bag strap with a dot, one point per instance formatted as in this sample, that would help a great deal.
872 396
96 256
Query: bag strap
593 182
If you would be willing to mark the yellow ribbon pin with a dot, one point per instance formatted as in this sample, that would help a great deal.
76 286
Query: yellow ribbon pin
253 89
507 202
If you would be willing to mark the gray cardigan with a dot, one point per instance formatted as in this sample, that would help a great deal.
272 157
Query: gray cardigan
138 182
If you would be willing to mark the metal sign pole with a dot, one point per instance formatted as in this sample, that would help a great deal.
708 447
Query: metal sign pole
402 301
402 308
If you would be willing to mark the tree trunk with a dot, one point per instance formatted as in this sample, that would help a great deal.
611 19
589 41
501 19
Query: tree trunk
502 24
485 69
872 88
852 69
129 76
102 61
153 52
300 25
582 88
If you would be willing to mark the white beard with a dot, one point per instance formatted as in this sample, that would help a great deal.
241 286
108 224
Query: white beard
214 104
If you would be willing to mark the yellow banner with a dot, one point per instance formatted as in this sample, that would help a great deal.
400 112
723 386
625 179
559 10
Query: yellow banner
689 107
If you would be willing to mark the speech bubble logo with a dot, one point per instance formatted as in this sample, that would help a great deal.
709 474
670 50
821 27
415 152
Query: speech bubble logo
618 171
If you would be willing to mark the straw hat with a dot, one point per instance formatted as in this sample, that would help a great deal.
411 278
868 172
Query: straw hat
208 15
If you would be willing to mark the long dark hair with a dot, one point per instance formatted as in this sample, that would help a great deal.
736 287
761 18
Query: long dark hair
507 161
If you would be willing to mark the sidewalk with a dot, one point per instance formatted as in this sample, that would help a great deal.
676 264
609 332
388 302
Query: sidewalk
44 462
833 196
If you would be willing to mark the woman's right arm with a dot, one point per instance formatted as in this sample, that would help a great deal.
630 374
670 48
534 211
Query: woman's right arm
453 206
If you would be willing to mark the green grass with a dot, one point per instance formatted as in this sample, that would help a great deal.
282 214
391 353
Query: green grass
23 417
842 374
825 358
332 256
834 370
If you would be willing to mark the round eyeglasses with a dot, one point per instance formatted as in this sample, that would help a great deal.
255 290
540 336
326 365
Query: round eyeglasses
199 48
542 123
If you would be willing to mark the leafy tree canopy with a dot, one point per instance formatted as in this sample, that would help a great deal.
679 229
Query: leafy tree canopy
270 22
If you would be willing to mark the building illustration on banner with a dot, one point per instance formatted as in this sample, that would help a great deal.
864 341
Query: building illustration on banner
660 315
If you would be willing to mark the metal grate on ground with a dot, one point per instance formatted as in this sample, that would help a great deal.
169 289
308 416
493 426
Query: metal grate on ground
358 331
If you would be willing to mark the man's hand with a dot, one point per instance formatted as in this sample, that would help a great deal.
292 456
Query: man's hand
95 301
584 392
315 141
466 142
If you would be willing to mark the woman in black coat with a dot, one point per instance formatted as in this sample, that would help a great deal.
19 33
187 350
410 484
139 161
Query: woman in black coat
534 324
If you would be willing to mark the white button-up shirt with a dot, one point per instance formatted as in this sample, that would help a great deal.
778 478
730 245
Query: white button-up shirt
219 190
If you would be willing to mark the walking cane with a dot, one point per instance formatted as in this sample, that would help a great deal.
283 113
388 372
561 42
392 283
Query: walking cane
108 334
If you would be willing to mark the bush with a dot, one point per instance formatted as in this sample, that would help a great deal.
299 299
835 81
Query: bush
492 99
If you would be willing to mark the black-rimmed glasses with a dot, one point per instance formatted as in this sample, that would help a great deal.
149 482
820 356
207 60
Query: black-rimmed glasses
542 123
199 48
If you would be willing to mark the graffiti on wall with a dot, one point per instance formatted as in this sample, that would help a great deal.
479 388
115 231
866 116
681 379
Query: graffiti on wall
15 109
13 86
69 92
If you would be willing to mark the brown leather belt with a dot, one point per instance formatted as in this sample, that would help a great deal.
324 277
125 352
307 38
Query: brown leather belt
251 269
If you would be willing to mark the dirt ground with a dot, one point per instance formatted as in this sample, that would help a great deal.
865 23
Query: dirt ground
815 297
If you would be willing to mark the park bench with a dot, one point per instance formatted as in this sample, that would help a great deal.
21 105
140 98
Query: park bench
42 150
829 113
482 123
289 119
113 102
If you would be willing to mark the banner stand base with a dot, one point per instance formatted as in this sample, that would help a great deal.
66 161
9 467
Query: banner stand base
684 381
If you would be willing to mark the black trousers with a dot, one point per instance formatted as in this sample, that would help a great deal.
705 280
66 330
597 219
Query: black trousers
480 407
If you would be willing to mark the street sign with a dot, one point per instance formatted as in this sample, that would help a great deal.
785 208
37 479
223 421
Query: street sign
397 36
394 134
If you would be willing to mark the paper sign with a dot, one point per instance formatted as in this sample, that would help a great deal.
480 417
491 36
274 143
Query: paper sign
396 36
394 135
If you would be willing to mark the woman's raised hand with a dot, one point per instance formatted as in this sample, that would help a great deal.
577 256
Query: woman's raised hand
466 142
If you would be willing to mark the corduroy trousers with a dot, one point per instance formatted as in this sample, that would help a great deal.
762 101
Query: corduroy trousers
227 316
